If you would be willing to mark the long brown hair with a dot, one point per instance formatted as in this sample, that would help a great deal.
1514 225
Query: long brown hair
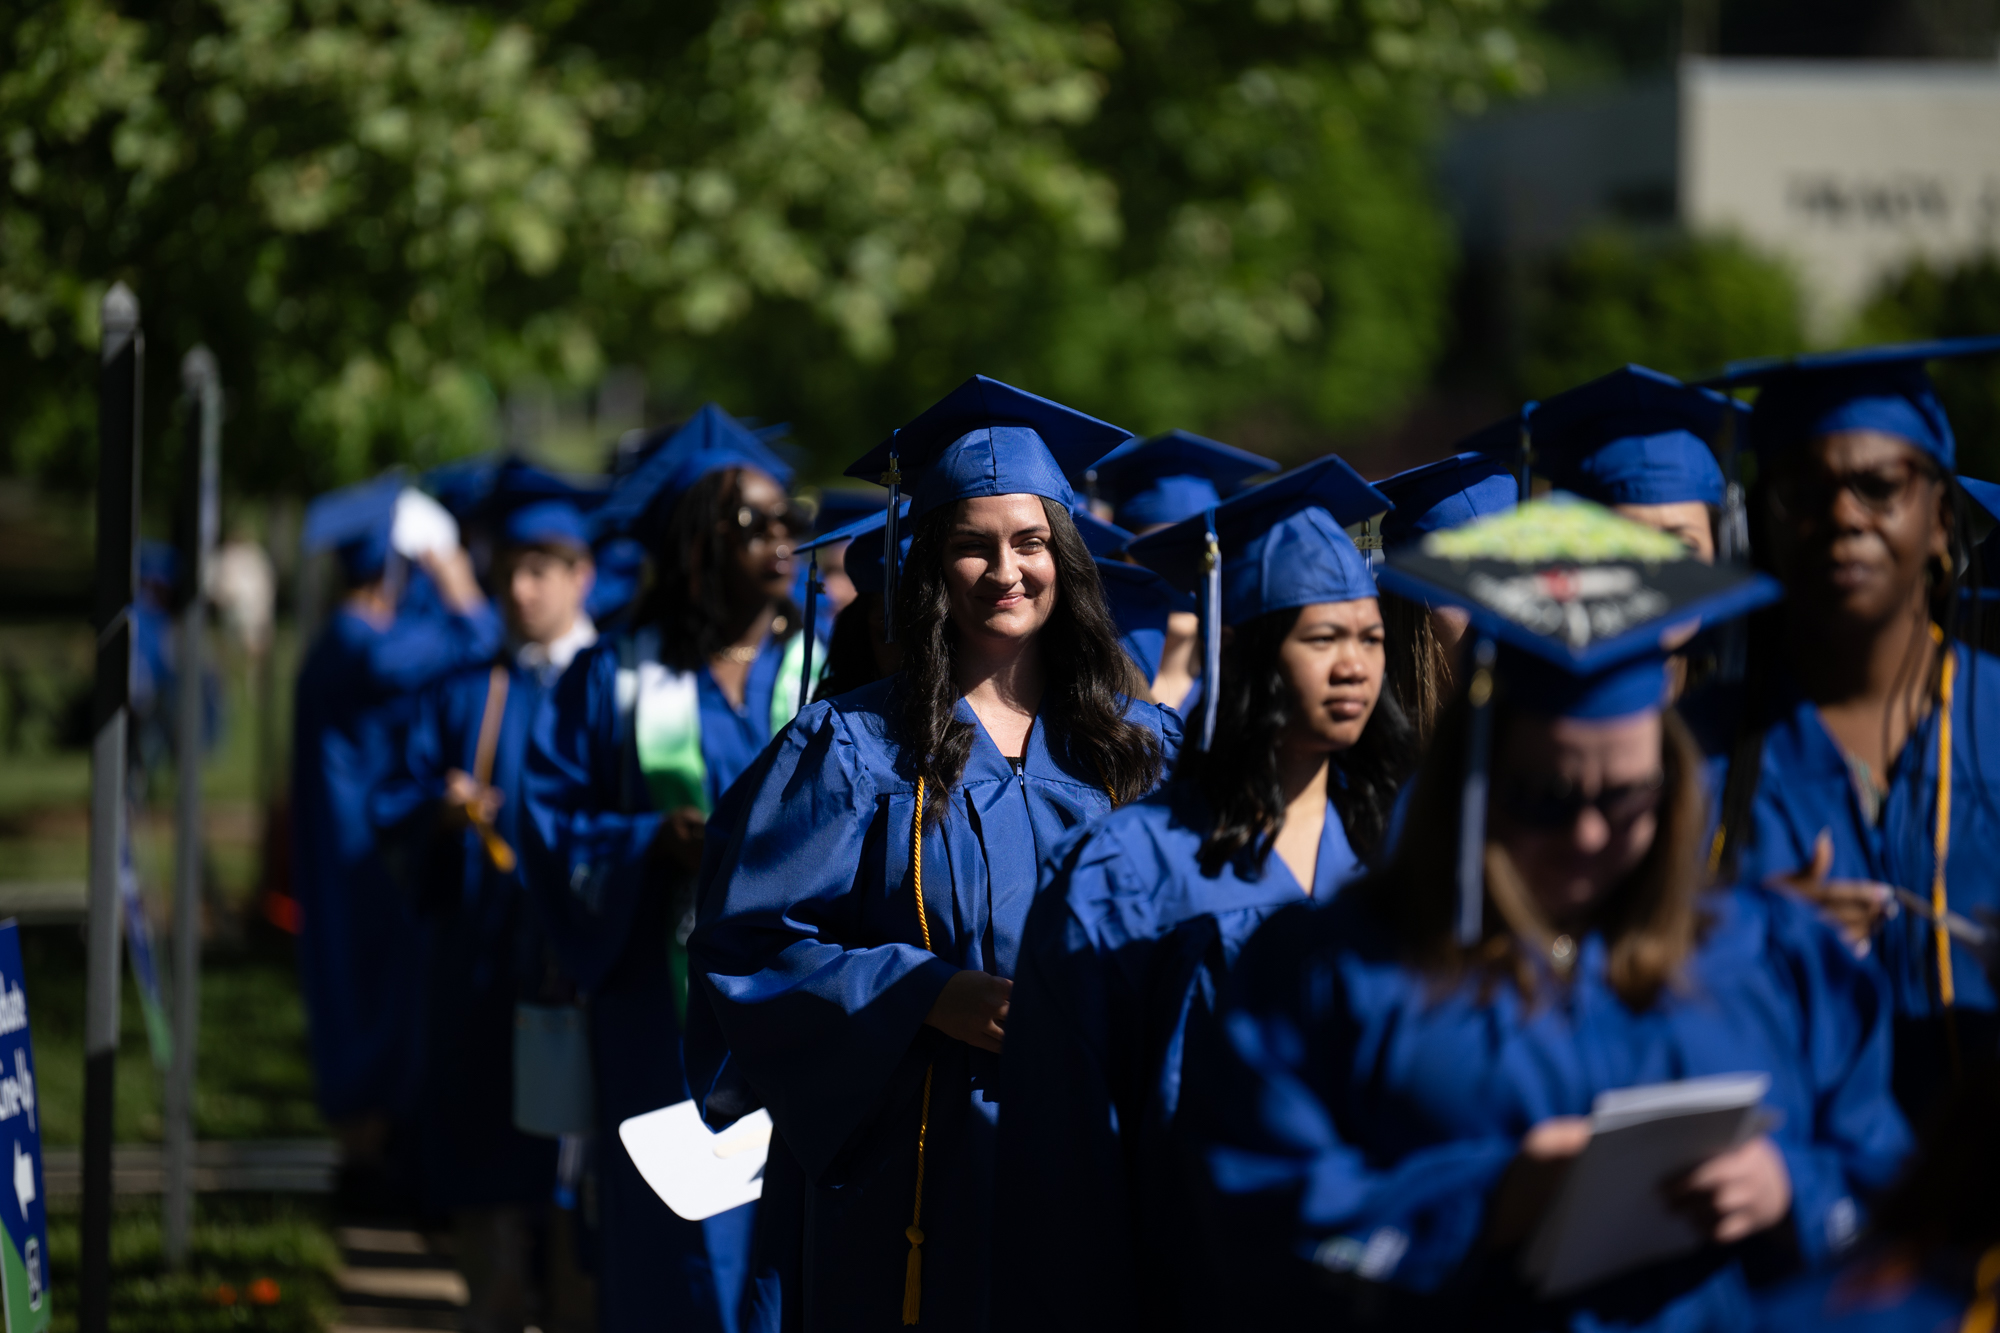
1088 677
1651 920
1419 668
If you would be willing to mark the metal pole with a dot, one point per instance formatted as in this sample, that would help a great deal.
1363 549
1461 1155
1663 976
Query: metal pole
204 392
118 420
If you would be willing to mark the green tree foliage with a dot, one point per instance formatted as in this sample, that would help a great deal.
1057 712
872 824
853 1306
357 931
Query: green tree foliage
1679 303
1950 301
381 213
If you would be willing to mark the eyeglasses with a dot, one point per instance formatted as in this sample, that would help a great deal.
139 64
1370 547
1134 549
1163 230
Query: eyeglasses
755 525
1553 804
1806 492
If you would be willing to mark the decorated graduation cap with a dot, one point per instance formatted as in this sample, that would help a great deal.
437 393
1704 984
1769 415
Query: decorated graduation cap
1637 437
1445 494
1882 389
1572 609
1140 602
644 498
983 438
1170 477
1279 545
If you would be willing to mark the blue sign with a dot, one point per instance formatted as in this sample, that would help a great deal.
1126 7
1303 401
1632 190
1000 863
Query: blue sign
24 1271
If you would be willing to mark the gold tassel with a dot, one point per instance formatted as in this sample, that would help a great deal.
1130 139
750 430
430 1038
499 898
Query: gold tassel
913 1271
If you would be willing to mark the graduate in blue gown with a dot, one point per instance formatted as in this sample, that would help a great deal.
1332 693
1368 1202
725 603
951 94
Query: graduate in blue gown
1155 483
456 805
1859 684
860 929
857 654
361 941
632 753
1142 913
1406 1071
1424 640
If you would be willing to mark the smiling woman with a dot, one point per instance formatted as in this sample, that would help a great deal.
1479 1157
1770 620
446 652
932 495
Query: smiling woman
859 932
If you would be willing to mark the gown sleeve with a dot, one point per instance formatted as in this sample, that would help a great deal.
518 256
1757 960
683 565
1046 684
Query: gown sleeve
1283 1179
415 651
815 1022
584 852
1858 1141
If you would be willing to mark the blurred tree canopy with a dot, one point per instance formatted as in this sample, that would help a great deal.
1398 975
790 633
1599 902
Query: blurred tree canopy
382 213
1950 301
1681 303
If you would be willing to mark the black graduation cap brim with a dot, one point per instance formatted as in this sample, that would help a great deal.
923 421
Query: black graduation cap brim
1762 370
1075 439
1585 610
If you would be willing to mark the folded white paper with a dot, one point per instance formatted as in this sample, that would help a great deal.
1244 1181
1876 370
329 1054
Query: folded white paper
696 1173
1610 1214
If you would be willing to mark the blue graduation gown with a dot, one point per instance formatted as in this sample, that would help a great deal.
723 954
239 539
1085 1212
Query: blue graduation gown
361 943
1362 1117
813 962
1805 786
1126 951
1874 1293
591 820
486 949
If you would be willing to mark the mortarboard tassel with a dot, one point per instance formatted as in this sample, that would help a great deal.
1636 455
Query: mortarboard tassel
891 574
1211 611
1472 798
813 590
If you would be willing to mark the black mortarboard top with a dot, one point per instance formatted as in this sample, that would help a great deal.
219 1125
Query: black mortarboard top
1169 477
1869 388
1635 436
1572 608
643 499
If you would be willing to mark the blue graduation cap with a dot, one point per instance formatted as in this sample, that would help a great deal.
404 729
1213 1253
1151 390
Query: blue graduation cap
1871 388
863 565
1572 608
1279 545
1170 477
984 438
1636 436
1985 498
1140 602
355 523
621 564
1446 494
462 484
643 499
546 523
159 562
841 505
1099 538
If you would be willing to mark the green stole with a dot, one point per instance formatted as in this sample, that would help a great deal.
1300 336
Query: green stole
666 731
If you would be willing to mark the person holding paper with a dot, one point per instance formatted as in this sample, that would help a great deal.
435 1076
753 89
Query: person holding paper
1405 1069
860 928
631 751
1141 913
1866 769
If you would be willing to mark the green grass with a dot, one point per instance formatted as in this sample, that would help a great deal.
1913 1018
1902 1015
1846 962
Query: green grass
253 1079
238 1246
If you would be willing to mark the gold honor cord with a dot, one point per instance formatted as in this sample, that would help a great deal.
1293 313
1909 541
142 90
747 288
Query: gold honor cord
1980 1315
497 850
913 1271
1940 931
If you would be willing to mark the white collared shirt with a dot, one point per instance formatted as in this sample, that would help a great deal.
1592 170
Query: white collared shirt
550 660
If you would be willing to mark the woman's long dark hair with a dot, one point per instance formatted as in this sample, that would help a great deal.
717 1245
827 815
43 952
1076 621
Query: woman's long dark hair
1420 671
697 598
1651 920
1239 779
1088 678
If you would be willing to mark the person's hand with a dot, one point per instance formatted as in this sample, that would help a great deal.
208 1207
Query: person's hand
1738 1193
680 838
973 1008
462 794
1854 907
1529 1186
452 572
